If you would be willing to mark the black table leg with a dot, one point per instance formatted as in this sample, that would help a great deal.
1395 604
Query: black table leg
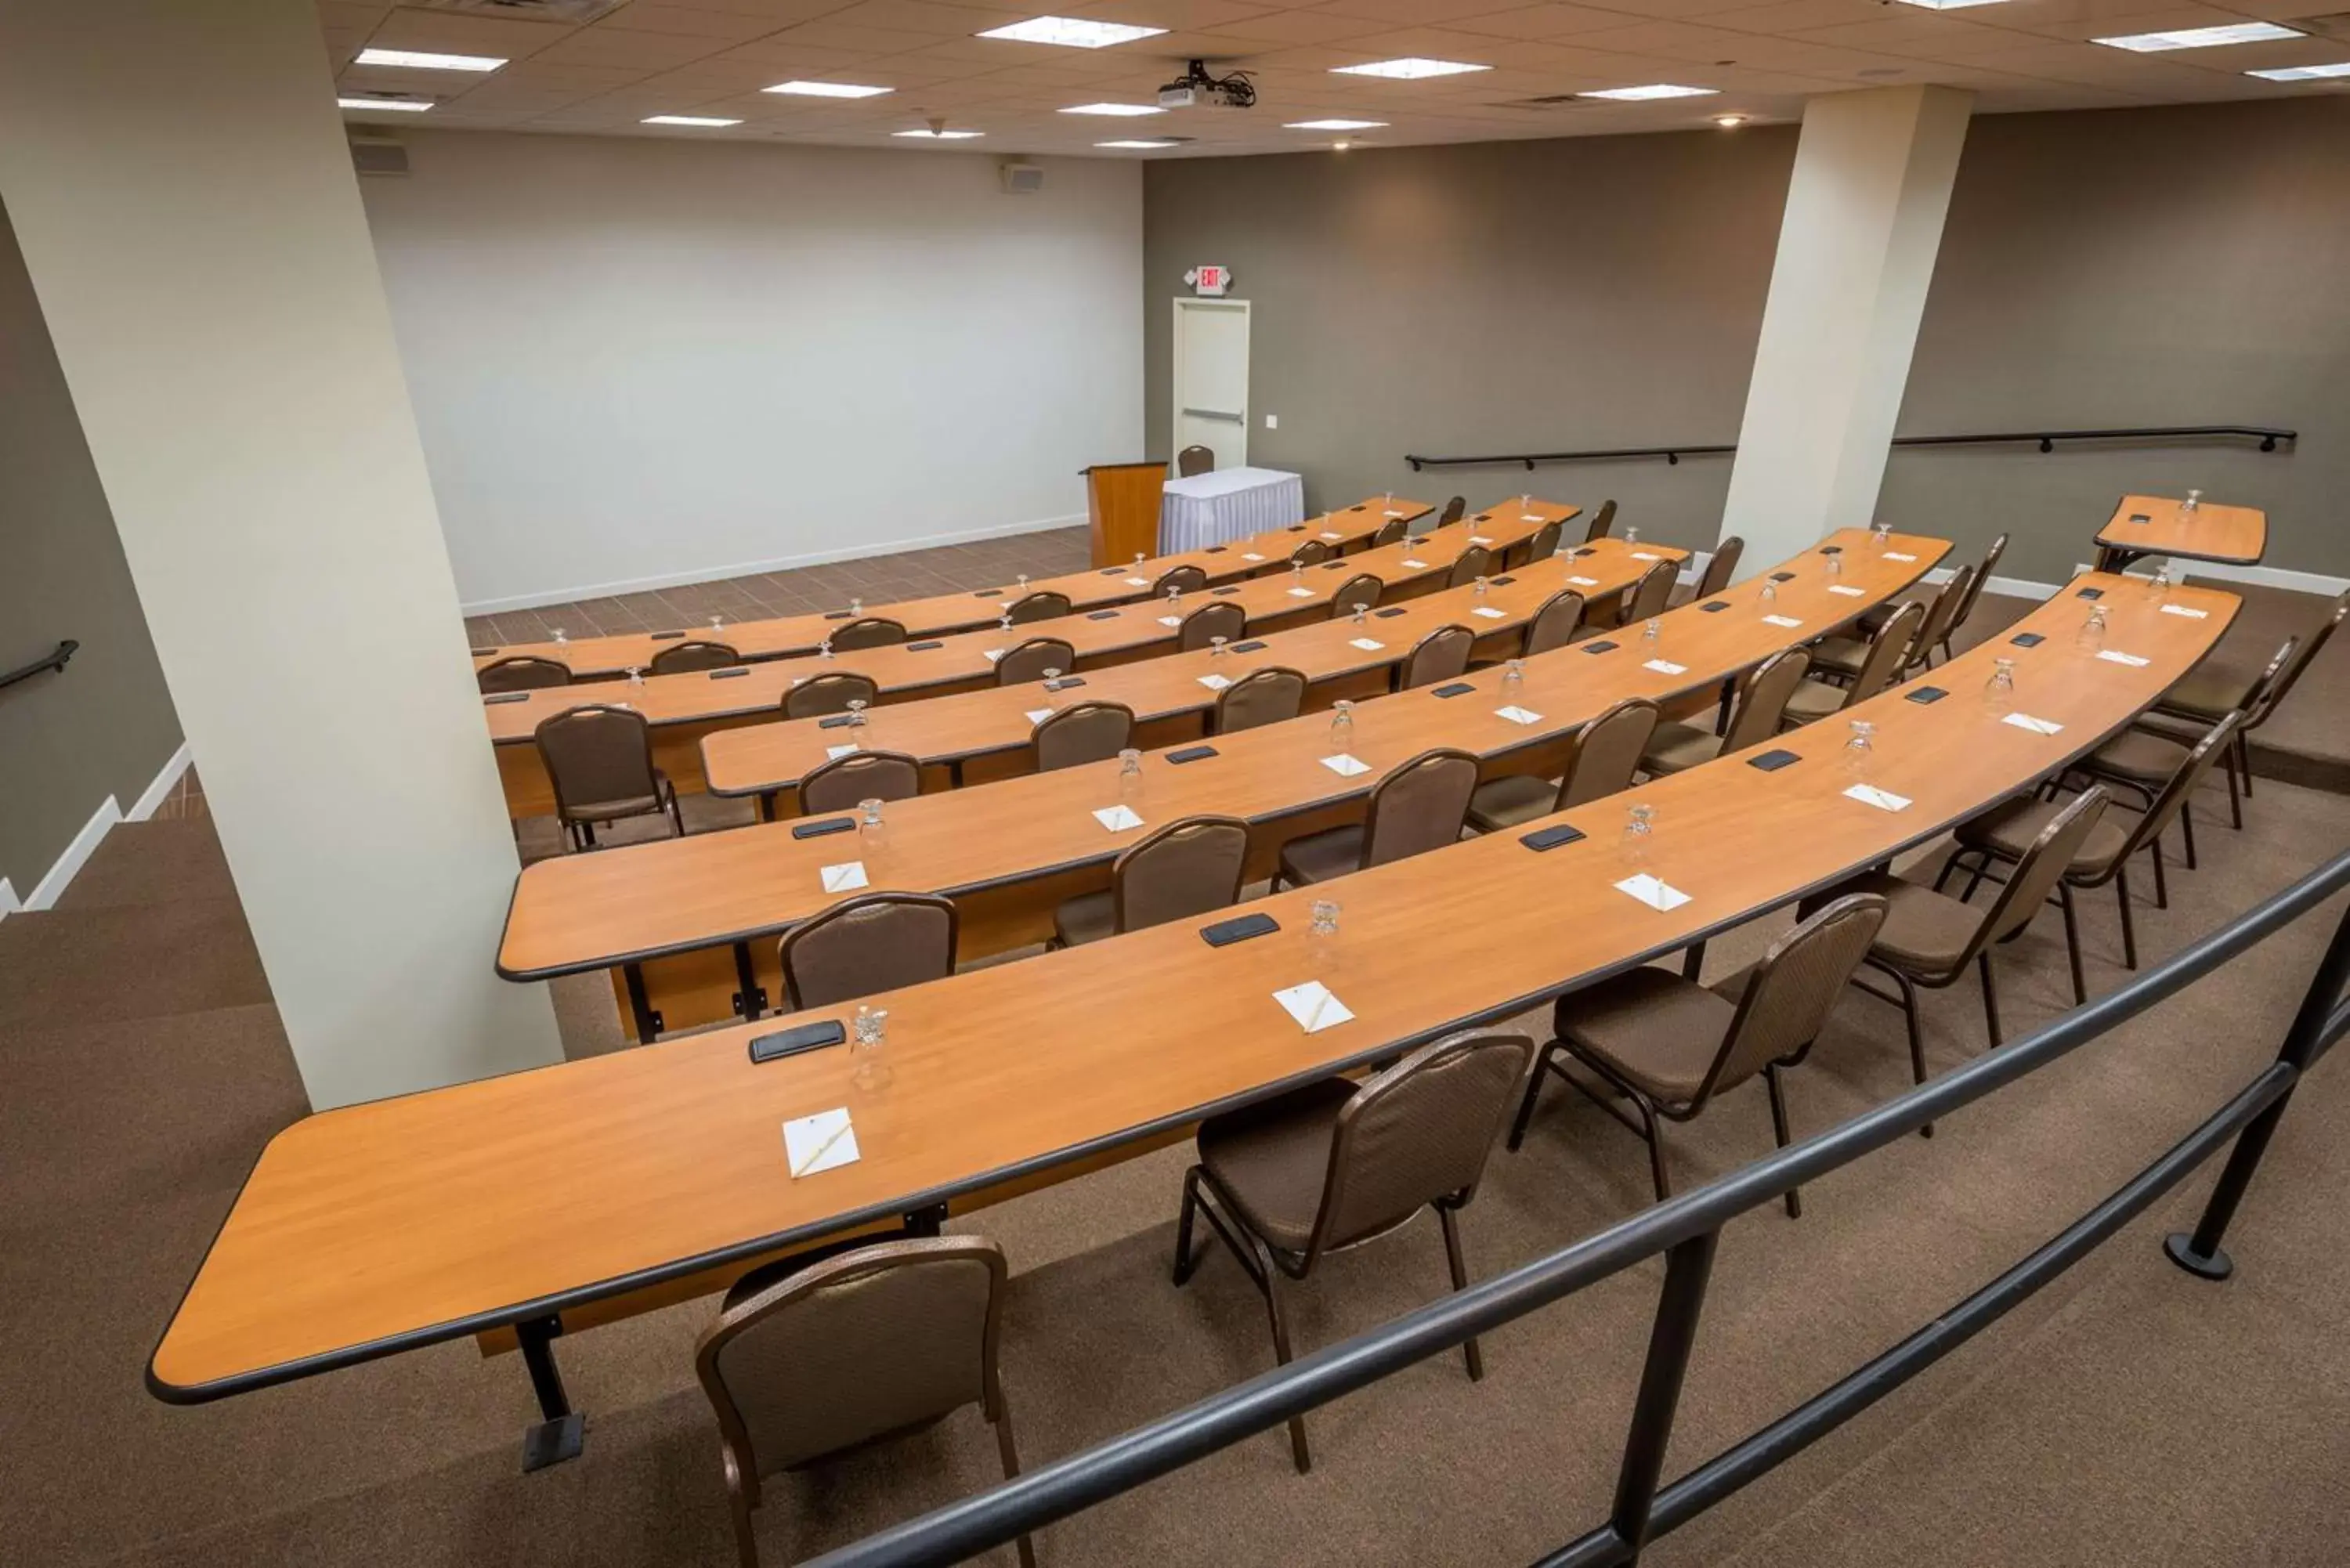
563 1431
640 1008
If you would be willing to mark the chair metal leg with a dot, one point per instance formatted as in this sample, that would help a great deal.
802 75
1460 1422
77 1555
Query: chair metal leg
1534 1091
2161 886
1449 1219
738 1504
2235 800
1975 881
1916 1034
1009 1453
1948 866
1779 1130
2186 830
2129 926
1297 1450
1693 962
2244 746
1185 1263
2072 942
1990 997
1650 1131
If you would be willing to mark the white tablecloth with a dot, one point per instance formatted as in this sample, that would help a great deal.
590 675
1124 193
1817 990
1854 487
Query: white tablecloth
1227 504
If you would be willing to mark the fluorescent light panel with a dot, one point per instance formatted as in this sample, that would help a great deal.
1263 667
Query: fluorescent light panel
702 119
1071 32
1145 146
1335 125
1411 67
418 59
2303 73
942 135
1947 4
1652 91
405 105
2200 38
827 89
1113 109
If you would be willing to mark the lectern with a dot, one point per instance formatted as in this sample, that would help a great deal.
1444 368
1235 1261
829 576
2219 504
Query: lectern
1122 503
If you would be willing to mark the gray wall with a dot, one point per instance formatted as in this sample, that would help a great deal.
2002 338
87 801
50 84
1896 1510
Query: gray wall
2146 267
106 725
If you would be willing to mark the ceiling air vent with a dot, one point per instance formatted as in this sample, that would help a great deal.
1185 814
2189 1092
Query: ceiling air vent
1553 101
378 155
574 11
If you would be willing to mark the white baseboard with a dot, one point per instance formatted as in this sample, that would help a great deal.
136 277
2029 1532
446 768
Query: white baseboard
152 797
2022 587
777 564
8 904
51 888
2318 583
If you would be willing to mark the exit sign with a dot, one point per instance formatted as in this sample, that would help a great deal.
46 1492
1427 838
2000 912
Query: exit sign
1209 282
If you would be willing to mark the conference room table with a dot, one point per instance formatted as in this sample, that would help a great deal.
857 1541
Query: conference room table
602 658
685 925
684 707
519 1208
2145 525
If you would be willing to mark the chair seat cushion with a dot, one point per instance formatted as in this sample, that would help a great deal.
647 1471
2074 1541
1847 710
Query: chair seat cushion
1507 802
1658 1032
1813 700
2138 757
1271 1159
2007 830
1926 934
1841 655
1677 746
630 805
2211 692
1319 857
1087 918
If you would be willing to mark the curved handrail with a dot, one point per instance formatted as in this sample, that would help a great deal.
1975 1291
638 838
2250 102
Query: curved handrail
54 659
2267 435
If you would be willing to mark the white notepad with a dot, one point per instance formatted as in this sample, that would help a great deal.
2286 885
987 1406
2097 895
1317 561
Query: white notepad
832 752
1215 682
1366 644
1330 533
1137 582
844 877
1898 556
1300 593
1786 620
1529 516
823 1141
2115 656
1883 799
1584 582
1170 620
1417 566
991 654
1118 818
2037 726
1038 715
1666 667
1517 715
1345 766
1391 512
2190 614
1488 612
1314 1007
1478 539
1251 556
1649 890
1646 555
1847 589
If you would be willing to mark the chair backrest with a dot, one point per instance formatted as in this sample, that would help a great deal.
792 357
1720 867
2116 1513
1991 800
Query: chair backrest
1418 1133
1084 733
1553 625
1940 616
1194 460
2179 789
866 632
1217 618
1046 604
1454 510
1439 656
884 1339
2263 694
1762 697
1388 533
600 754
1544 544
1420 805
1360 591
1185 868
1721 566
2036 875
684 658
1028 660
1265 696
1792 989
1184 579
1602 756
522 672
2311 645
1312 552
1651 593
1886 652
1975 586
821 695
872 942
1473 563
841 782
1601 521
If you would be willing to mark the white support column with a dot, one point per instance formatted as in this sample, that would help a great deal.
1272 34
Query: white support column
1864 221
178 183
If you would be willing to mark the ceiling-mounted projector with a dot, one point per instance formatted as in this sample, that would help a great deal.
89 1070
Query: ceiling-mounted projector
1195 88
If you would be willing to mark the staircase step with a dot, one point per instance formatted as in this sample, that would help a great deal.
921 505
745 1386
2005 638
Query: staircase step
152 863
64 966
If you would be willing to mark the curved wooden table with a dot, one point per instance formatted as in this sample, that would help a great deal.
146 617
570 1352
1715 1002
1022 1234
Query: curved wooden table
2153 525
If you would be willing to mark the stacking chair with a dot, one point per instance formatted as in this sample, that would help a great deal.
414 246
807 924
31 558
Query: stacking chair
1085 732
1815 699
1046 604
1335 1164
1185 868
1217 618
1194 460
2260 696
1439 656
1669 1045
521 672
1555 625
821 696
1601 522
1601 757
1265 696
1390 532
1473 563
1762 695
599 758
2144 761
1454 510
1542 543
866 632
1720 568
866 944
839 785
2007 831
1931 940
1183 579
1650 595
1028 660
1974 591
1312 552
1420 806
1840 657
682 658
2204 693
1360 591
807 1361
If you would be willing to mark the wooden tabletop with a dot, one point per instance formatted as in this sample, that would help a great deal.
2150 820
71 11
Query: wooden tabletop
579 912
598 657
759 758
2155 525
380 1227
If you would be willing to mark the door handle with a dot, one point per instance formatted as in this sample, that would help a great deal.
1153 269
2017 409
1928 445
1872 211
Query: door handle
1214 414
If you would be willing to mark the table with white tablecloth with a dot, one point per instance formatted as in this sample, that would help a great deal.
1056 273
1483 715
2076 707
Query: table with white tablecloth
1227 504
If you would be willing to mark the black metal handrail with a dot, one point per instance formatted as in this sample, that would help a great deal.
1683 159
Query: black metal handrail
1685 1230
54 659
2267 435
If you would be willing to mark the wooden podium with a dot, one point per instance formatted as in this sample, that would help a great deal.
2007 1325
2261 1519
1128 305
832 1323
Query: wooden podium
1122 503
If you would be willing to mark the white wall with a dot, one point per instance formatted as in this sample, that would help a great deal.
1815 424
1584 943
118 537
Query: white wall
641 362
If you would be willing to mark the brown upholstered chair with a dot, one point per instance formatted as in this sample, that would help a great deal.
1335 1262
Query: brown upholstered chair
807 1361
2143 759
2261 695
1454 510
1360 591
1966 605
1083 732
2203 693
1390 532
1185 868
521 672
1542 543
1815 699
840 783
1028 661
1183 579
1335 1164
1265 696
1841 657
1045 604
866 632
1720 568
1217 618
1194 460
1473 563
1420 806
1762 694
1441 655
1601 522
1553 625
867 944
1669 1045
684 658
1650 595
1312 552
599 758
1601 757
820 696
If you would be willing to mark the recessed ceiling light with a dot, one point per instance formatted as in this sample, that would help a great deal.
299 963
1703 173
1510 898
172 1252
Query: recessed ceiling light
420 60
1411 67
1138 145
405 105
1653 90
2303 73
1125 108
1730 121
1335 125
2199 37
828 89
1947 4
1071 32
702 119
942 135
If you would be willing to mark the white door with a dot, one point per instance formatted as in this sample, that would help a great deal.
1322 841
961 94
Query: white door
1212 348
